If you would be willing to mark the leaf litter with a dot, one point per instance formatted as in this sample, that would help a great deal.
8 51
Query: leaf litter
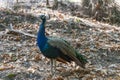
99 42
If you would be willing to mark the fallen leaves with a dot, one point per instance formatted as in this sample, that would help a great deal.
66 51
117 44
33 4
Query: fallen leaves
6 67
31 69
37 57
100 43
58 78
61 16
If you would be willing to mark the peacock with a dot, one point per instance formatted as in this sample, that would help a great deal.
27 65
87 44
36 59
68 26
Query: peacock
57 49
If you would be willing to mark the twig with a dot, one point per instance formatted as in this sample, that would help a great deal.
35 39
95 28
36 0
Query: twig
21 32
10 28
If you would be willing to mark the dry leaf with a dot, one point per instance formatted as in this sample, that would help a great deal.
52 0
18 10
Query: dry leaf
58 78
31 69
6 67
37 57
61 16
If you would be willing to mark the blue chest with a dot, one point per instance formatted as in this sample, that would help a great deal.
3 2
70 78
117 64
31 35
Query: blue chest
46 49
41 41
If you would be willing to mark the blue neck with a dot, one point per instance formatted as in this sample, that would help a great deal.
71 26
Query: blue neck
41 32
41 38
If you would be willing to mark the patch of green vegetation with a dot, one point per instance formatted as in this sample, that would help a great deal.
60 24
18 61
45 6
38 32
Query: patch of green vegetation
12 75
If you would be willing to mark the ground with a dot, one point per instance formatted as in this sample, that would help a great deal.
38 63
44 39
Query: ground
21 59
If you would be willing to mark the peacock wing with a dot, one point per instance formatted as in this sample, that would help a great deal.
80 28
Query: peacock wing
64 47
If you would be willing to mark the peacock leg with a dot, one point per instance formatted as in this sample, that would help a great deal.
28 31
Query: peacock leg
53 67
54 61
52 72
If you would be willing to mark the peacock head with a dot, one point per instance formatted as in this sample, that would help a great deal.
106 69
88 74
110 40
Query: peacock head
44 17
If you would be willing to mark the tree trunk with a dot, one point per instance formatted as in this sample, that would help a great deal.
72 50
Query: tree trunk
55 5
47 2
102 10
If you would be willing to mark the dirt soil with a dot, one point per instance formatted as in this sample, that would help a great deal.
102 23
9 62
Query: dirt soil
20 58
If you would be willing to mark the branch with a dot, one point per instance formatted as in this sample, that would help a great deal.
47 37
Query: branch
21 32
10 28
